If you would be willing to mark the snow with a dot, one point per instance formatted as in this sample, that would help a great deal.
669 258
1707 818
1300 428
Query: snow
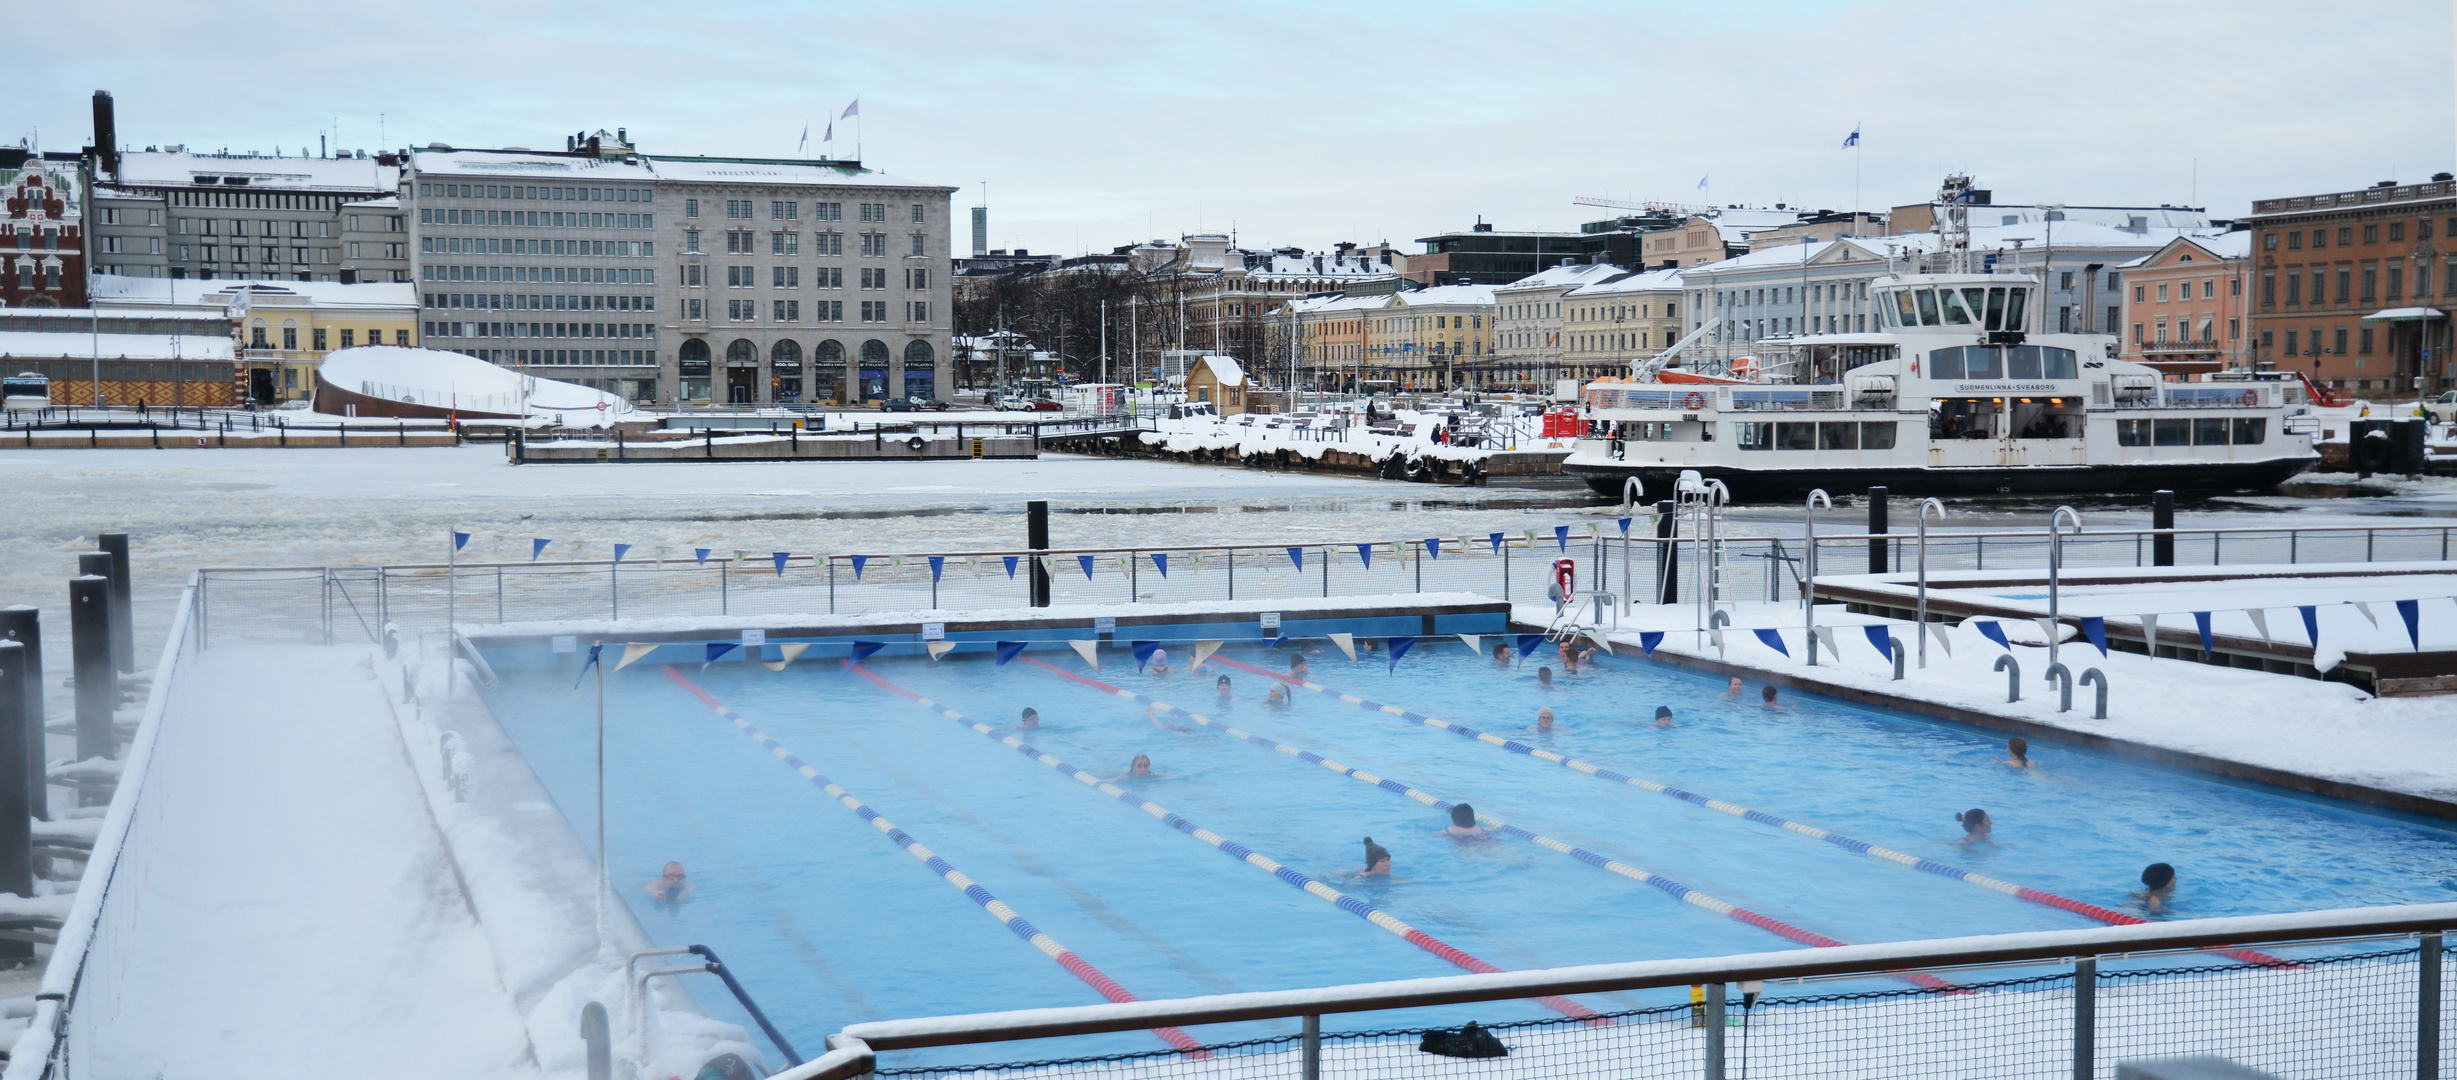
1224 369
1470 295
1571 276
1645 281
439 378
27 345
111 290
157 168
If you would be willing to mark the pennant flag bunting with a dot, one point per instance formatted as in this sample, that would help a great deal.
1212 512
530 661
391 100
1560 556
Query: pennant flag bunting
594 650
2095 628
537 547
863 649
1773 641
1143 651
717 650
938 566
1989 629
634 651
2201 622
1825 635
2260 622
1529 643
621 550
1007 650
2050 630
2311 623
2366 611
1090 651
2412 612
1497 542
1877 637
1399 647
2149 633
460 540
1296 557
938 648
780 558
1649 639
703 554
1161 560
1433 547
1085 561
1625 527
1011 560
1203 650
1944 640
1474 643
1346 643
1561 535
785 655
1365 554
859 561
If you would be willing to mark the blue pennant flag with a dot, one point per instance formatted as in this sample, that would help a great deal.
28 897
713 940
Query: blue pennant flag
1085 561
938 565
460 540
2311 623
1991 630
1011 561
1399 648
1161 560
584 668
1496 539
1529 643
1143 652
2412 612
1649 639
1878 637
1773 641
863 649
537 547
621 550
1625 526
859 561
1854 140
2095 628
2201 621
1433 547
1365 554
1296 557
702 553
780 557
1561 535
717 650
1007 651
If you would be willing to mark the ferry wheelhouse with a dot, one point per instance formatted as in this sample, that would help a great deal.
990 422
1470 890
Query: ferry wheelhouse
1952 396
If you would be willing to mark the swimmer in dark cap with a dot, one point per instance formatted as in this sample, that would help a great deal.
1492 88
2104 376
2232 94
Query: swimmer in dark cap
1663 716
1463 823
1223 686
1976 826
1377 861
2157 886
1501 656
1031 720
1296 666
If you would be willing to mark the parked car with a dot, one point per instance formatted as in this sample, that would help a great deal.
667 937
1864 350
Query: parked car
2443 410
897 404
1044 405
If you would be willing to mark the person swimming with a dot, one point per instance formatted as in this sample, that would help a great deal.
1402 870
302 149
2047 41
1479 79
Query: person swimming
1544 718
1296 666
1377 861
2157 886
1501 656
1031 721
1544 677
1223 686
2018 751
1142 766
1278 698
1977 827
1463 822
1663 716
1766 694
1160 661
1733 690
673 887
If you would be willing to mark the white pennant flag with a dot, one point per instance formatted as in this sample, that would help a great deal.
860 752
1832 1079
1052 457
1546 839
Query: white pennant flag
1475 642
937 648
785 655
2050 631
1826 635
1090 651
2149 633
1944 640
1202 651
1346 643
634 651
2366 609
2260 622
1600 644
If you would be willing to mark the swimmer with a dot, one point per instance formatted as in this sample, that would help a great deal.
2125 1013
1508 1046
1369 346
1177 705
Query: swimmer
2018 750
1734 689
1142 766
1296 666
1663 717
1223 686
672 888
2157 886
1377 861
1766 694
1569 656
1278 698
1463 822
1160 661
1544 718
1501 656
1976 826
1031 721
1153 714
1544 677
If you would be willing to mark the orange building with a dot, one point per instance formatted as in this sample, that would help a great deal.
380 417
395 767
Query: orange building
2186 306
2355 288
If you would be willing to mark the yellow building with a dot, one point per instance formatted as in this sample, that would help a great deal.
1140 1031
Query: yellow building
1421 340
1607 325
1219 380
284 328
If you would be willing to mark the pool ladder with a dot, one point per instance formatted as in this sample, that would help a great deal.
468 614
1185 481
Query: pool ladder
635 986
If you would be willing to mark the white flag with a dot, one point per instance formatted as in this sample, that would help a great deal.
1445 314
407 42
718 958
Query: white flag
2149 633
1090 651
2260 622
1474 642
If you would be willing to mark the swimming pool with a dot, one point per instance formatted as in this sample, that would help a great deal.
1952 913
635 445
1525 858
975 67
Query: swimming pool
828 922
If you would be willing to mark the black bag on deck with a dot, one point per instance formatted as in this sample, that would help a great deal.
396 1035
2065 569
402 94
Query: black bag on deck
1472 1041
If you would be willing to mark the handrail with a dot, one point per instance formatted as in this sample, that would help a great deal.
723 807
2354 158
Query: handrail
1980 950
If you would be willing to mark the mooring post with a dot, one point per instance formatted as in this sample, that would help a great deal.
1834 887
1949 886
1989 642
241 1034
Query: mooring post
16 816
1036 537
2162 516
89 632
1876 530
24 625
123 608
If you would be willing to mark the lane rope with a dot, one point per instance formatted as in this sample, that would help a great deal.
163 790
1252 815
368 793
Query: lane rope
1857 847
1312 886
998 909
1644 877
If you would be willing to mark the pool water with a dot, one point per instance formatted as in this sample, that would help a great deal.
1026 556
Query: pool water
828 922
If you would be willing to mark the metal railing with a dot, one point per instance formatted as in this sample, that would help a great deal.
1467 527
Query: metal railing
2364 997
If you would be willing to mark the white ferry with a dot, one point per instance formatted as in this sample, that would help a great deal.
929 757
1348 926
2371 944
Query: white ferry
1951 397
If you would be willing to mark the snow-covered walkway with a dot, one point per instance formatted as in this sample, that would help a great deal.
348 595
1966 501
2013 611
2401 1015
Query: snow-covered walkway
296 913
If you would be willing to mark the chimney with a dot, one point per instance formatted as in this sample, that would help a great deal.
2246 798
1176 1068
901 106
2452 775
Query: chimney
106 135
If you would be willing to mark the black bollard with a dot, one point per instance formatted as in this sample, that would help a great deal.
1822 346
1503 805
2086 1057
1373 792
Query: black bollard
16 829
123 605
2162 516
89 634
1876 528
1667 528
1036 537
24 625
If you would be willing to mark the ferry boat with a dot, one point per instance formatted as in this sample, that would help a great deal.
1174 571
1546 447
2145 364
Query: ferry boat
1952 396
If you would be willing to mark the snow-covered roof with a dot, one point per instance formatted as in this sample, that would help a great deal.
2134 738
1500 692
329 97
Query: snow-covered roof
1734 224
398 371
723 171
1317 305
153 168
1448 294
1667 280
504 165
1225 369
1569 276
1788 255
1278 264
22 345
387 202
115 290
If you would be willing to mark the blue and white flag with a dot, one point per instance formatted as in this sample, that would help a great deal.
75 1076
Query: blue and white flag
1702 182
1854 140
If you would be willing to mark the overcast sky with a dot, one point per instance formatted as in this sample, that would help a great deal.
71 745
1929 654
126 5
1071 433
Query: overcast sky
1102 124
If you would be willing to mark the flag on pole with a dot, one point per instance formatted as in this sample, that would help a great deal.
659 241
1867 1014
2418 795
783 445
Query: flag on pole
2201 622
805 143
852 110
831 135
1854 140
460 540
1702 183
584 668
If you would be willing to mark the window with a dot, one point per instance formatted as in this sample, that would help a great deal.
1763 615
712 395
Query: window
691 310
788 311
827 243
2339 340
2269 287
917 311
917 218
691 208
2363 341
2171 433
2422 229
1753 436
918 241
317 335
2371 280
2235 330
2294 241
874 278
691 274
2397 279
917 279
2397 231
2346 281
827 211
290 339
784 243
783 211
2162 293
348 334
874 245
1877 435
2269 242
2294 285
874 211
2250 430
785 277
2371 234
691 241
2346 236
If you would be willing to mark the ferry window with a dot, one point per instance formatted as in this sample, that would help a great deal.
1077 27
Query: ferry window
2251 430
1981 362
1879 435
1945 364
1996 309
1796 436
1900 312
2210 432
1754 436
2059 364
2171 432
2022 362
1928 306
1955 313
2132 433
2016 313
1838 436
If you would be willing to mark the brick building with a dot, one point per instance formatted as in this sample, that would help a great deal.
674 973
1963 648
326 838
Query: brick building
2354 288
42 232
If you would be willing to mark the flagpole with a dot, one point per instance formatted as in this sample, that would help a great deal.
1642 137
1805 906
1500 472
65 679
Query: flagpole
604 882
452 560
1856 151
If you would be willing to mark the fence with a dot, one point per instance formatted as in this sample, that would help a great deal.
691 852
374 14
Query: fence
2359 994
327 604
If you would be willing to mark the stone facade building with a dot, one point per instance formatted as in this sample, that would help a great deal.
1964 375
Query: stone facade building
42 233
2354 288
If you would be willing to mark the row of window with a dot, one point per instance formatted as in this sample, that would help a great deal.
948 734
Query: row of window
535 219
1808 435
238 253
2346 234
537 302
2184 289
259 337
131 371
2193 431
257 200
822 277
746 242
540 275
2347 278
204 226
534 193
541 330
2295 341
2183 332
786 311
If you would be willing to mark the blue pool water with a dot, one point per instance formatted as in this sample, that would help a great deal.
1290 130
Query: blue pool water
828 922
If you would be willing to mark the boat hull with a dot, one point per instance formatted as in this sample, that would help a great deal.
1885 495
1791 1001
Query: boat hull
1767 485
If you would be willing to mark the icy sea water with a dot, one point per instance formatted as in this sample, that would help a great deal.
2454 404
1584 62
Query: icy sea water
828 922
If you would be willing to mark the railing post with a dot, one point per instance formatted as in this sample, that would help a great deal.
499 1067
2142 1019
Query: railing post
1714 1031
1313 1047
1326 569
1232 573
2085 1017
831 584
2427 1009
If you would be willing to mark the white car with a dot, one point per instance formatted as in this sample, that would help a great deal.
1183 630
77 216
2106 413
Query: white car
2443 410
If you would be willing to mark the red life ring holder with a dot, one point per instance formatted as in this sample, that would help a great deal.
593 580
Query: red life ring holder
1694 401
2251 398
601 406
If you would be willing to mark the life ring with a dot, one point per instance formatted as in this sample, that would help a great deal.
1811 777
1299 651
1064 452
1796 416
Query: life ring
2251 399
913 444
1694 401
601 406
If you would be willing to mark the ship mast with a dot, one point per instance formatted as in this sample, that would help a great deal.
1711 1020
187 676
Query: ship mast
1954 225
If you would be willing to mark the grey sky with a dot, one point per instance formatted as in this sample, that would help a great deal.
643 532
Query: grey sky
1100 124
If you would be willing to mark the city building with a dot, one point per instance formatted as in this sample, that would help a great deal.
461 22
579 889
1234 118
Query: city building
1422 338
2354 288
42 232
282 329
1821 225
124 356
1482 256
1694 242
1219 380
1982 210
1527 345
2186 305
1333 333
1608 324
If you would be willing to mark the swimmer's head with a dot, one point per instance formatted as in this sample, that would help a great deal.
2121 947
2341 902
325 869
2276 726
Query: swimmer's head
1296 661
1544 675
674 871
1663 714
1544 716
1142 765
1766 694
1463 815
2157 875
1278 694
1501 652
2020 749
1735 687
1973 820
1032 717
1223 684
1376 855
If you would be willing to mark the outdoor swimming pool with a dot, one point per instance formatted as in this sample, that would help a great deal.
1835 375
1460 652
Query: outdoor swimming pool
828 921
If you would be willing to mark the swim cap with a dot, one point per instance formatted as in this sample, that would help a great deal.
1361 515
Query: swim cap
1463 815
1662 711
1160 657
2157 875
1030 711
1374 853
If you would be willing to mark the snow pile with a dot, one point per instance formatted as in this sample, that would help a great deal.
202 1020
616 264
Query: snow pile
451 380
